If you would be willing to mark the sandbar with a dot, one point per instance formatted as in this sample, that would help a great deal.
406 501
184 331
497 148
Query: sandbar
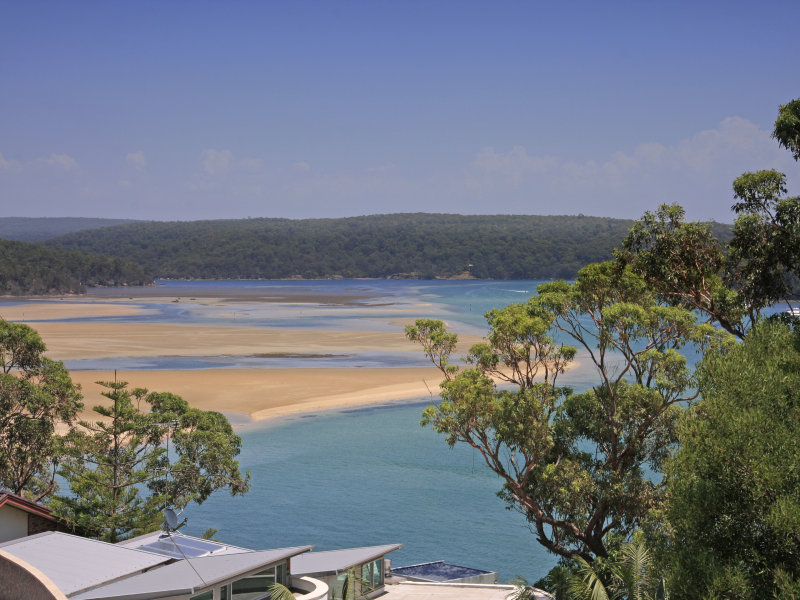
269 393
67 341
38 311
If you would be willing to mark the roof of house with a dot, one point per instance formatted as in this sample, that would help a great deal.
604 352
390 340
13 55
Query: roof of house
189 576
178 545
9 499
74 563
335 561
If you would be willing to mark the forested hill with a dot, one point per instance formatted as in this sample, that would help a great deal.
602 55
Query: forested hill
30 229
417 245
27 269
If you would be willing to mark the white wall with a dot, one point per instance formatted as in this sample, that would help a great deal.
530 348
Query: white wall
13 523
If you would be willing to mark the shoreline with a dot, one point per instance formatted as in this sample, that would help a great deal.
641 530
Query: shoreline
247 394
266 394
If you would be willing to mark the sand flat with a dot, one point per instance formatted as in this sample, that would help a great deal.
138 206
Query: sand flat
269 393
67 341
38 311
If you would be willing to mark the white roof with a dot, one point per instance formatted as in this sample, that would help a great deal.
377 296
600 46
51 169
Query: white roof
335 561
189 576
74 563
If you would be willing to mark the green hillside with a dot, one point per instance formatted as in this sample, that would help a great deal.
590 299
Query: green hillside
399 245
28 269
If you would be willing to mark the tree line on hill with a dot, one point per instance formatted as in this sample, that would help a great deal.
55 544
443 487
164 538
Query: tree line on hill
32 269
416 246
407 246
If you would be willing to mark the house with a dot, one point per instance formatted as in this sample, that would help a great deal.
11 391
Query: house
37 561
20 517
160 566
362 568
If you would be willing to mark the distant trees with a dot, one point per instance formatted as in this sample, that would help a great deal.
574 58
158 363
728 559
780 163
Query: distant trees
379 246
34 269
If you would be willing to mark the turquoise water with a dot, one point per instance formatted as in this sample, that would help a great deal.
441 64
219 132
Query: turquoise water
368 475
373 475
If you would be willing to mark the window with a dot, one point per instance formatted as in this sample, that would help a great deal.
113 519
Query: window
377 573
253 586
209 595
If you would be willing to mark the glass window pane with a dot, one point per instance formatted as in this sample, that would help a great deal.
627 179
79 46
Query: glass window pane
223 593
253 586
377 573
366 578
280 573
204 596
336 588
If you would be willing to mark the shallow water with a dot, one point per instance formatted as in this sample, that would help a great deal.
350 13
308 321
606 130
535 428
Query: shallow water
359 476
372 475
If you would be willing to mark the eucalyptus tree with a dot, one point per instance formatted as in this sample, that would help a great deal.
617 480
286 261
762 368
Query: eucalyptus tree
36 394
731 283
577 465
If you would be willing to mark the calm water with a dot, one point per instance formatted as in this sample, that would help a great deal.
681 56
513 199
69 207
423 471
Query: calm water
372 475
363 476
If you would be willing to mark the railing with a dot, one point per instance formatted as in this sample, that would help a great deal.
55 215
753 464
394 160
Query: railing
312 589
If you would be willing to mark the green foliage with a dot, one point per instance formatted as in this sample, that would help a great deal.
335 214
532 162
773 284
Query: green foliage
735 481
36 393
688 266
119 471
278 591
436 342
34 269
787 127
522 590
421 246
627 574
558 581
574 464
765 249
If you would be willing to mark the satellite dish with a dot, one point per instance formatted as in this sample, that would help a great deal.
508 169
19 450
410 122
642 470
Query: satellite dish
170 519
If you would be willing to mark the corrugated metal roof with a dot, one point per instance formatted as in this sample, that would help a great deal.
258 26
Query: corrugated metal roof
74 563
334 561
188 577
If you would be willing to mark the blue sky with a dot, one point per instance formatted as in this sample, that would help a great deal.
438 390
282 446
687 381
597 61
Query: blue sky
187 110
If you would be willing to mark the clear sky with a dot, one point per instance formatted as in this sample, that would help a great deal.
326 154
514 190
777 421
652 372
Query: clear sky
192 109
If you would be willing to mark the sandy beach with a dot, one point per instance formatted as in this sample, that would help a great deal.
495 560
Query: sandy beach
268 393
254 394
97 340
31 312
245 394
